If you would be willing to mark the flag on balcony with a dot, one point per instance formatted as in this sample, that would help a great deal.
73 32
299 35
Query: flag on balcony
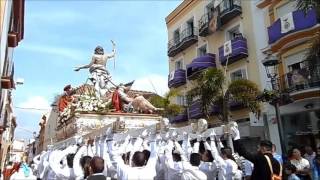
171 76
213 24
287 23
227 48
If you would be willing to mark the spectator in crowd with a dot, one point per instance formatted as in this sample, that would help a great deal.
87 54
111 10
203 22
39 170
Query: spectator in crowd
302 164
316 168
261 170
290 170
309 155
278 157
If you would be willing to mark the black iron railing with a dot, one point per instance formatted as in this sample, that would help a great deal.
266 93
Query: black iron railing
176 45
307 77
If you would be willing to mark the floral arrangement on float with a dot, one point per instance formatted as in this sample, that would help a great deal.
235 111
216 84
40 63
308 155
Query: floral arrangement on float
86 103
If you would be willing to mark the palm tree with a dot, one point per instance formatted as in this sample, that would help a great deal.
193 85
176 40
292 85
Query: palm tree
212 89
313 53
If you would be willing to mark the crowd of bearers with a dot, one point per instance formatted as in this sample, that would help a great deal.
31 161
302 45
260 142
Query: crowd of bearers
151 156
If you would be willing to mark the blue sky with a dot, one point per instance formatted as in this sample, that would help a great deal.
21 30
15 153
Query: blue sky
60 35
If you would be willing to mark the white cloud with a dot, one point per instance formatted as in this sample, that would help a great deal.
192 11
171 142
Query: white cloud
153 83
59 17
35 104
69 53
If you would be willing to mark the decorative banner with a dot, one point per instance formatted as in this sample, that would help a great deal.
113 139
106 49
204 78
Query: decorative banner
171 76
213 24
227 48
287 23
254 121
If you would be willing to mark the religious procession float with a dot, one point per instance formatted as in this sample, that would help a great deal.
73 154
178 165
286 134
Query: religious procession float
100 104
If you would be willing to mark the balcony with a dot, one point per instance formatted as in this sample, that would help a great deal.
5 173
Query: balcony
239 51
186 38
199 64
204 25
229 9
301 22
302 80
177 78
182 117
195 110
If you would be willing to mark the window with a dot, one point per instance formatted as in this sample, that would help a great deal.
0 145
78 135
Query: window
181 100
238 74
202 50
293 62
176 36
233 33
178 65
286 8
190 27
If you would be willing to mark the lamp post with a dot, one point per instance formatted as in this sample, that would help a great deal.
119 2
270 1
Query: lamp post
271 63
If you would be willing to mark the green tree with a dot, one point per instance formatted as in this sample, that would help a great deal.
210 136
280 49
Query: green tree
313 53
170 109
212 89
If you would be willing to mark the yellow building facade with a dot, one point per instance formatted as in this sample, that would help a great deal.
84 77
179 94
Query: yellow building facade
199 35
290 32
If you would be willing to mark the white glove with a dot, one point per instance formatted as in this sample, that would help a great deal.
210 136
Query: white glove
235 133
108 131
212 135
145 133
185 135
166 137
199 137
79 140
174 135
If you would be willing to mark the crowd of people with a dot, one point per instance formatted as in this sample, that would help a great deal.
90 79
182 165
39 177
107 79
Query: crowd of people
151 156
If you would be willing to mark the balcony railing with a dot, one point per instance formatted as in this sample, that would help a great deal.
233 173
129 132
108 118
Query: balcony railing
187 37
239 50
182 117
229 9
301 21
195 110
199 64
302 79
204 27
178 79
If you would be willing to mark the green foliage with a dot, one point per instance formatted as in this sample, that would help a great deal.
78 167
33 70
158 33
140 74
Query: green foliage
246 92
158 101
313 53
164 102
209 90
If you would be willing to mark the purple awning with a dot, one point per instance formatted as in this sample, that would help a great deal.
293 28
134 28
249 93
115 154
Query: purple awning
301 21
239 51
182 117
178 79
195 110
200 63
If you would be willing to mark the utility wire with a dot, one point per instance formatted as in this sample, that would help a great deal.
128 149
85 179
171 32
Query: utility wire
28 108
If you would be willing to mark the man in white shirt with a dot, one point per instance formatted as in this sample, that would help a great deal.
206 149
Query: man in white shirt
138 170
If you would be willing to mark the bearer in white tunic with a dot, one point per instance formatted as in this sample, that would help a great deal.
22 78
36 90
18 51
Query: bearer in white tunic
138 170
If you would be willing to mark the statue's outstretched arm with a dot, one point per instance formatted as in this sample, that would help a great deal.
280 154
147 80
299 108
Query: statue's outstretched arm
113 53
85 66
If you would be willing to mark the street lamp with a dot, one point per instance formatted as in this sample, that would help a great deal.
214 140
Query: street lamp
271 63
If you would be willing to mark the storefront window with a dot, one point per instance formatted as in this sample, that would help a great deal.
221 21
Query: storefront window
301 129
